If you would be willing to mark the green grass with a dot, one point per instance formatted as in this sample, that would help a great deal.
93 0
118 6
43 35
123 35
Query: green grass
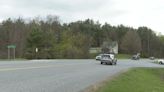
17 59
123 56
93 55
136 80
119 56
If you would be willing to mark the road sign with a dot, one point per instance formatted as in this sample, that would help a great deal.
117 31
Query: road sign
11 46
9 52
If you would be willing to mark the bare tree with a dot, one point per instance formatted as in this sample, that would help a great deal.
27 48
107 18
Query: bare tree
131 42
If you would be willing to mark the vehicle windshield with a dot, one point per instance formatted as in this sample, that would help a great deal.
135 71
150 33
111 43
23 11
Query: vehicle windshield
107 56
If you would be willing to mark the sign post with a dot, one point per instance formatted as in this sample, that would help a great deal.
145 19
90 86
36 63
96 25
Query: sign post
9 52
36 50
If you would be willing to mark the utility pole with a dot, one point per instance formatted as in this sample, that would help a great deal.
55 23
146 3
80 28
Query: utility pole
148 43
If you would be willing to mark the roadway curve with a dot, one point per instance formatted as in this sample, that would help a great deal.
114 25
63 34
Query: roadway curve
59 75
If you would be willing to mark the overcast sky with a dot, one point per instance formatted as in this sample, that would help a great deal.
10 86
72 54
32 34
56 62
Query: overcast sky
133 13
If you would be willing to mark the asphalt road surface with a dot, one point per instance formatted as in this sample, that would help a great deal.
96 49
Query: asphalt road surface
59 75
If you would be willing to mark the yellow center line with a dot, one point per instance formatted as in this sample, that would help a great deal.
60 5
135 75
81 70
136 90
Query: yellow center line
26 68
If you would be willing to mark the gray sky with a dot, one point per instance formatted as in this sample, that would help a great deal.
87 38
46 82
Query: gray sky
127 12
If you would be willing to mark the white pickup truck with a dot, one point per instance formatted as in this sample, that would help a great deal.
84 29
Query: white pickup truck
108 59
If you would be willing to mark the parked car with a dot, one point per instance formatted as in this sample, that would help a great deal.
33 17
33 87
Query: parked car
136 57
160 61
99 57
151 58
108 59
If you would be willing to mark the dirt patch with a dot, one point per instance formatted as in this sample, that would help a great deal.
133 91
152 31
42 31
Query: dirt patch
97 86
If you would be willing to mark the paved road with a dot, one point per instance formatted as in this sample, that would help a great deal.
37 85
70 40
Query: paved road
59 75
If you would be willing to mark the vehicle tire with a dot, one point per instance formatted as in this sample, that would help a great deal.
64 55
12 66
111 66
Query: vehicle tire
101 62
160 63
111 63
115 62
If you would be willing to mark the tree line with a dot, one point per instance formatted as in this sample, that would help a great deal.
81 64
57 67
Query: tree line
73 40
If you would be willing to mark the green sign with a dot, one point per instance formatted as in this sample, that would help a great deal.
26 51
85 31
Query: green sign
11 46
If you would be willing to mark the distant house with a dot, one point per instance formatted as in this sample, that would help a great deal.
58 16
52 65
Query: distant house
107 47
113 47
95 50
110 47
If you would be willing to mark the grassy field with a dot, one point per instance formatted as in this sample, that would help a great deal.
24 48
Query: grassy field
136 80
119 56
123 56
17 59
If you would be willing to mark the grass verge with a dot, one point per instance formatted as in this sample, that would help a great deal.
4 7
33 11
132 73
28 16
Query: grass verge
119 56
17 59
136 80
123 56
